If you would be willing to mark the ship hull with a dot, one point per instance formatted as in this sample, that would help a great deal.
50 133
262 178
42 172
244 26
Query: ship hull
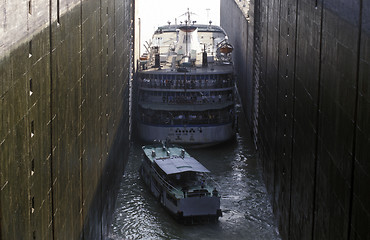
202 135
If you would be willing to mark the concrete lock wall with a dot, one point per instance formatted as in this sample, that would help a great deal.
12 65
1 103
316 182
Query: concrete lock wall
65 68
310 109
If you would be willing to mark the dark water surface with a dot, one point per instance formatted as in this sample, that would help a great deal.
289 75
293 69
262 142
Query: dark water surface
247 213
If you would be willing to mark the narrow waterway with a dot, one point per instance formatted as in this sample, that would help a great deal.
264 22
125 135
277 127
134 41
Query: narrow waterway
247 213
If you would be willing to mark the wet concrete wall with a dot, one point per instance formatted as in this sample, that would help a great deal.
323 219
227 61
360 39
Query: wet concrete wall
65 67
311 111
243 56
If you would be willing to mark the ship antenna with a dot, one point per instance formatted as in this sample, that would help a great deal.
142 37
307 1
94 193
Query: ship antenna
188 15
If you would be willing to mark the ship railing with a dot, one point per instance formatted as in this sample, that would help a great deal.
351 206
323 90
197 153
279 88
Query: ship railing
198 193
165 121
194 193
194 100
181 85
179 118
163 182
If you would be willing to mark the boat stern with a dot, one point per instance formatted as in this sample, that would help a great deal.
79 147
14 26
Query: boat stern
199 209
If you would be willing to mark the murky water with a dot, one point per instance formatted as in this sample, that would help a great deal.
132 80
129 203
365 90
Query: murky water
247 213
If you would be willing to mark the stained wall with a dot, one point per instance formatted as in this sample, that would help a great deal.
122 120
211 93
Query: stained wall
310 114
65 66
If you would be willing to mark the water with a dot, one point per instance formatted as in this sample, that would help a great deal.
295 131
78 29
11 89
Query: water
247 213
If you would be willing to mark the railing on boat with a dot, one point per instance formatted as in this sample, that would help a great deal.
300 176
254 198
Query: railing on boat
172 118
198 98
195 193
198 84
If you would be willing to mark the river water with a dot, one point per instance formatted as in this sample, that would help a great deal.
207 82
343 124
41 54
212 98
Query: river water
247 213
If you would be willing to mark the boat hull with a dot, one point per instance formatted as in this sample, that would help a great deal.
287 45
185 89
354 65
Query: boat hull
188 135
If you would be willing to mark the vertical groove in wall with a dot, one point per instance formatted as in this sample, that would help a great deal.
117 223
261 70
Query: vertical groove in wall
355 121
1 212
51 190
82 212
317 127
293 119
264 86
276 107
256 69
101 115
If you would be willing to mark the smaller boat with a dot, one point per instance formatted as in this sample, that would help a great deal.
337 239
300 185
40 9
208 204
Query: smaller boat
180 183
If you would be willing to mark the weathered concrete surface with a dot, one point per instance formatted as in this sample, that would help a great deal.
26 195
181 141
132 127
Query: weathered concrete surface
310 111
65 67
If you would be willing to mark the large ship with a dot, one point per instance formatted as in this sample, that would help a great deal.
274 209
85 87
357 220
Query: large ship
185 84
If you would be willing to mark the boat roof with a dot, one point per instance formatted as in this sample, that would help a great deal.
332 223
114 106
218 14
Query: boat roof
173 159
175 165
